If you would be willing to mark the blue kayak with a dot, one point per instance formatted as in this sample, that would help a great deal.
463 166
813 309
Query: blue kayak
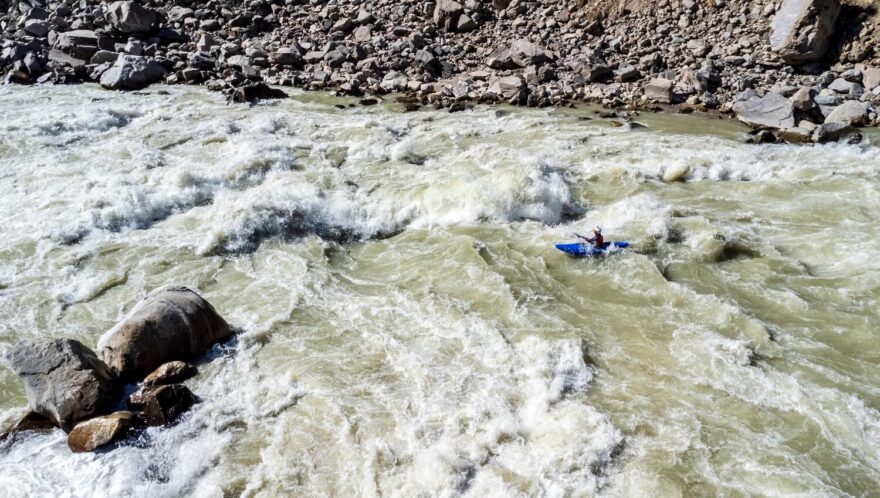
581 249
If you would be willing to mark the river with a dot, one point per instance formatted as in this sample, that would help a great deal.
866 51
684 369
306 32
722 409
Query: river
407 327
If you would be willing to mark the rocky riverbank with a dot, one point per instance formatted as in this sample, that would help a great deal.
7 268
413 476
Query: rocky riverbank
795 70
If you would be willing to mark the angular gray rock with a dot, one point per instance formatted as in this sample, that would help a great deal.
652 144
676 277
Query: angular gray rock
178 13
36 27
465 24
131 17
833 132
64 380
80 43
525 53
172 323
102 56
508 87
627 72
659 90
871 78
850 112
287 57
363 34
802 99
101 431
501 58
446 13
132 72
772 111
801 28
843 86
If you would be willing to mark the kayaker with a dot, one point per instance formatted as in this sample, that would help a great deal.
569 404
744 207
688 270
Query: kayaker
597 240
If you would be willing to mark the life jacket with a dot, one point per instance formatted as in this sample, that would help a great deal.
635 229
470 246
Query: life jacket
599 240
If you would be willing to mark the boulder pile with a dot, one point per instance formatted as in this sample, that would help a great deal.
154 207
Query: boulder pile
451 54
68 386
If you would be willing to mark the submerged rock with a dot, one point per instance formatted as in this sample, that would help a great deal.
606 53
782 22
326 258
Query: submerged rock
254 92
171 324
64 380
31 422
101 431
172 372
161 405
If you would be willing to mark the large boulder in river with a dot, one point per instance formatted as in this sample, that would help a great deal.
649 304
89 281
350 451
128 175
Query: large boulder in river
130 17
132 72
64 380
801 29
770 111
172 323
101 431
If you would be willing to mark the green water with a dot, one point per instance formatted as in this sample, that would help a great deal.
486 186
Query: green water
408 328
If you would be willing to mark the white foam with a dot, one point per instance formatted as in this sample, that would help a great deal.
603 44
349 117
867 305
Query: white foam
447 360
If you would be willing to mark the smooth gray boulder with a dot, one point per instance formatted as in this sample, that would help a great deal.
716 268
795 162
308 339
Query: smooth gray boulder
64 380
172 323
131 17
850 112
835 132
772 111
845 87
801 28
132 72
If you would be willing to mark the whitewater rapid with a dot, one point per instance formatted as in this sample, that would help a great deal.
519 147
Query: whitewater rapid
407 328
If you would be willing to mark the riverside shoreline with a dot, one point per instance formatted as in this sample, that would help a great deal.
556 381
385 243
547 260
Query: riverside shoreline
793 71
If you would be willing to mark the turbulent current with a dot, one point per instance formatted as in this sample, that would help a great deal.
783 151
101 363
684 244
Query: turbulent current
407 327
